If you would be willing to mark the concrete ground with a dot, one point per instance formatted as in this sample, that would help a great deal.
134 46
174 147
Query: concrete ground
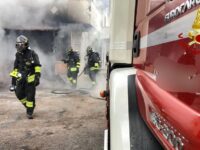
73 121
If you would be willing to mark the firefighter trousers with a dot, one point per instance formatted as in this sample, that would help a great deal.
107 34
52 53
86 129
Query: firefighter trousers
25 92
72 75
92 75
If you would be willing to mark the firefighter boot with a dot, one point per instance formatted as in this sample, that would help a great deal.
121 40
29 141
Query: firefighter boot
29 113
29 116
74 84
93 83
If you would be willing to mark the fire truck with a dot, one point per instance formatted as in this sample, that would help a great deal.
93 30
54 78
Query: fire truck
153 79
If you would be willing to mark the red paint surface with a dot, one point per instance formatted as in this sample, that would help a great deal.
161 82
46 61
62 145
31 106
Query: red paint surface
175 66
179 114
151 14
198 38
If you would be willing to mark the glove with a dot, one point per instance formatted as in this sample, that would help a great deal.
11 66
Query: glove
12 88
37 80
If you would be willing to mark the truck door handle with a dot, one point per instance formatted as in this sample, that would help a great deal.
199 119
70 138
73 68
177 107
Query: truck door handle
167 1
136 44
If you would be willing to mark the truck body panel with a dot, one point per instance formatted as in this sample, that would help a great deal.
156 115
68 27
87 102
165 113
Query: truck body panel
121 39
171 64
168 71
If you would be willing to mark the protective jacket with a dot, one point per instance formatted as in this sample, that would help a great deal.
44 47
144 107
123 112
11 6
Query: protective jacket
73 60
27 67
93 61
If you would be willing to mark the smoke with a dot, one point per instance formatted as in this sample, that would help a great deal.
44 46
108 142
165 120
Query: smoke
22 14
49 25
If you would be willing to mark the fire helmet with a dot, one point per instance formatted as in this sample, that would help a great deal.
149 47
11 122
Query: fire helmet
70 50
22 43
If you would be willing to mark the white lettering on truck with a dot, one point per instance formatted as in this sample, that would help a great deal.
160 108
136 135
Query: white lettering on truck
189 4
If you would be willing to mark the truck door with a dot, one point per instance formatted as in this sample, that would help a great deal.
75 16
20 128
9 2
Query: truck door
169 55
149 18
164 27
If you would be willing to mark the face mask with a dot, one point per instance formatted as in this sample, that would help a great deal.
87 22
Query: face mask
20 47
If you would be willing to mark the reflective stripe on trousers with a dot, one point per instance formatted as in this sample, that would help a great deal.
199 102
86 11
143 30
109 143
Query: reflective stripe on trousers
94 68
73 69
29 104
23 101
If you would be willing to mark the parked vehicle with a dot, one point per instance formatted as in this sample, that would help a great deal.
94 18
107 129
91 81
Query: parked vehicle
153 89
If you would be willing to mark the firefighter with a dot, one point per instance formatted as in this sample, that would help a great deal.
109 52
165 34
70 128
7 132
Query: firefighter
73 65
93 64
25 75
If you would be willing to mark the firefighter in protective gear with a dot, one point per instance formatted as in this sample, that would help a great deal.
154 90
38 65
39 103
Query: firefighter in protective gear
93 64
26 74
73 65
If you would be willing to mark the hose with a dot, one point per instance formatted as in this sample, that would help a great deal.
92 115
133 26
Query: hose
69 91
82 91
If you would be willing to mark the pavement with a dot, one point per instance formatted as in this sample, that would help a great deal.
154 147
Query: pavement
73 121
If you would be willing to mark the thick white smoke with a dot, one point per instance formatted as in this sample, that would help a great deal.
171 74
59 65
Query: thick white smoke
23 15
